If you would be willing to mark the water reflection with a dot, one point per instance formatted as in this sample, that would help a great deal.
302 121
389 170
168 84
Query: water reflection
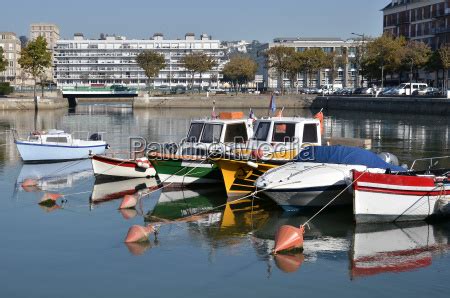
54 176
106 190
199 223
398 247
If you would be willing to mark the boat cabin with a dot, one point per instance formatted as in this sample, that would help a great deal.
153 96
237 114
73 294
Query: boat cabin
51 137
285 135
222 133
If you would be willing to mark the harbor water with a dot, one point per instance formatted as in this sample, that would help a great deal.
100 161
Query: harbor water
77 249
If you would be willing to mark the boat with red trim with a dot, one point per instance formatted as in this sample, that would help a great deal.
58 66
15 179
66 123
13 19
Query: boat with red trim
105 166
389 197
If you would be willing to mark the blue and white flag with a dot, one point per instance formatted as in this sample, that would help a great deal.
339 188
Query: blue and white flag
273 106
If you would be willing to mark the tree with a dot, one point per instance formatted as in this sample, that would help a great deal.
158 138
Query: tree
383 54
279 59
314 60
239 70
35 59
197 62
444 57
295 65
415 55
3 61
152 63
434 65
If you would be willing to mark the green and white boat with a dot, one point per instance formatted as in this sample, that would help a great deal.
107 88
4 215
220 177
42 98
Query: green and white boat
190 164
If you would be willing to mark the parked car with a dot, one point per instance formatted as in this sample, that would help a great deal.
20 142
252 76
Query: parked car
217 91
404 88
431 91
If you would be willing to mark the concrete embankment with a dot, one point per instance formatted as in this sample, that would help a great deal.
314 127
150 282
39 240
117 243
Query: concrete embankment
224 101
411 105
28 103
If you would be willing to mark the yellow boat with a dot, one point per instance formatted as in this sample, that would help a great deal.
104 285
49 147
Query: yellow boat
276 141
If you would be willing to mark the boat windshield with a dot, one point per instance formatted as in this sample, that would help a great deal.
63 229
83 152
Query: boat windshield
56 139
262 131
211 133
283 132
236 133
194 132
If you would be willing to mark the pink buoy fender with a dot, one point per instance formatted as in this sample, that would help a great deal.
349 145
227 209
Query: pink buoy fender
289 238
49 199
128 202
139 233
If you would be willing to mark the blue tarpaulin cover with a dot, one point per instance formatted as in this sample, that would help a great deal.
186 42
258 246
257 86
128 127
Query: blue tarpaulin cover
344 155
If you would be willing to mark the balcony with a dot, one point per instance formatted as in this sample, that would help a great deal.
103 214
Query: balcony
440 30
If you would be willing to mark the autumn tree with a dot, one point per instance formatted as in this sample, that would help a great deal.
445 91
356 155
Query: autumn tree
278 59
152 63
3 61
239 70
295 65
444 57
35 59
383 54
415 56
314 60
197 62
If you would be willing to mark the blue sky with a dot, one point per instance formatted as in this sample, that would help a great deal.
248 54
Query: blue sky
225 20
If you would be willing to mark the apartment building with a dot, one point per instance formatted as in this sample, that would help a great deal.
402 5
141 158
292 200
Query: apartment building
421 20
11 52
111 60
345 75
51 34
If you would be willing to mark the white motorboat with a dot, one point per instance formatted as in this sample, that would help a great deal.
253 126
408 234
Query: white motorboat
125 168
387 197
317 175
57 145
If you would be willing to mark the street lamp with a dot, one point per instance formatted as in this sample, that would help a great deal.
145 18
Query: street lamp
363 38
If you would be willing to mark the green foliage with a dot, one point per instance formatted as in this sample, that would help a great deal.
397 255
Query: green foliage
314 60
197 62
280 60
151 62
6 89
35 58
444 57
383 53
3 61
239 70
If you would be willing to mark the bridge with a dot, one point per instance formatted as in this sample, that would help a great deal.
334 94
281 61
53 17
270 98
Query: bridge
115 91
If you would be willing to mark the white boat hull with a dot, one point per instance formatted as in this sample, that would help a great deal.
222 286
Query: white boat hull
388 198
300 185
104 166
382 207
40 152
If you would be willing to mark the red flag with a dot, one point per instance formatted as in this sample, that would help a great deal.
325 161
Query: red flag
319 116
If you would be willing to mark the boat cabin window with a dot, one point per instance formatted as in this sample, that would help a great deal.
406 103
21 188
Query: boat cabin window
56 139
236 133
194 132
283 132
211 133
310 133
262 131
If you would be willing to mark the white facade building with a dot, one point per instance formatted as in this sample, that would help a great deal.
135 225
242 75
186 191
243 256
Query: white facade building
11 52
345 75
87 62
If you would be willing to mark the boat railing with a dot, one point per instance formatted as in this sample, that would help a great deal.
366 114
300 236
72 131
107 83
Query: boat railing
431 161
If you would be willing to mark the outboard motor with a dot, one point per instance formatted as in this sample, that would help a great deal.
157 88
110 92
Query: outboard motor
389 158
95 137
